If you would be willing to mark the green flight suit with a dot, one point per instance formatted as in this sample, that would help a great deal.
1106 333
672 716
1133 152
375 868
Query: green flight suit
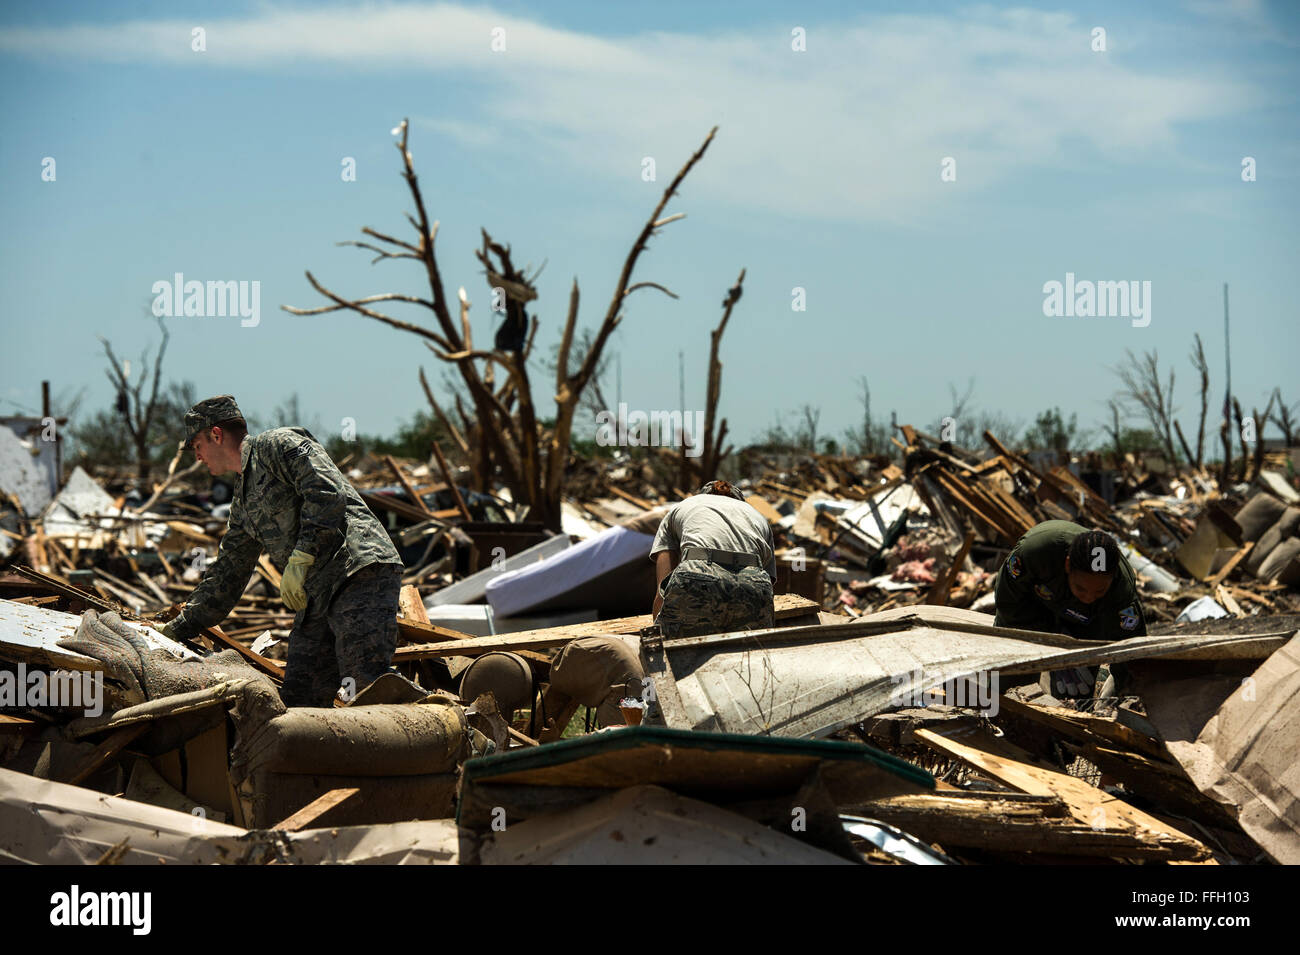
1033 592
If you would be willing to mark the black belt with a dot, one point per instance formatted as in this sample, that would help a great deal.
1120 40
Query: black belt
724 558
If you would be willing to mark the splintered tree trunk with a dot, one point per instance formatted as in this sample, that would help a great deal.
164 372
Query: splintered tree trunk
1225 472
508 434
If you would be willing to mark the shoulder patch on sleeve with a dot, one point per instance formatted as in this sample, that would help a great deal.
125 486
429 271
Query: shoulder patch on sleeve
302 450
1128 618
1014 567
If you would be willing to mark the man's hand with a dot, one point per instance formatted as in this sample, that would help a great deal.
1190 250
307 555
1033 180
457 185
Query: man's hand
291 581
168 630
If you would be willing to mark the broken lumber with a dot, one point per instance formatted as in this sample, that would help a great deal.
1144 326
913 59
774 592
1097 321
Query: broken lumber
1089 806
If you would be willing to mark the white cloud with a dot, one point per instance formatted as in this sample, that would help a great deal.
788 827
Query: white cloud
854 128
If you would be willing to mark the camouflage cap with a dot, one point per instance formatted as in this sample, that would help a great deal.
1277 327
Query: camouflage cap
209 412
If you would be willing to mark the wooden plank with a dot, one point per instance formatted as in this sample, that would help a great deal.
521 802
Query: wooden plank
305 817
950 485
770 513
1004 822
1086 728
940 589
386 502
406 485
1092 807
630 498
411 606
153 587
786 606
271 668
413 631
61 587
451 482
268 571
108 750
521 738
1221 594
1222 573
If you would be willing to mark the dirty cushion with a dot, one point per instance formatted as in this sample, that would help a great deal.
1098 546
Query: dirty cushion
1258 515
1284 527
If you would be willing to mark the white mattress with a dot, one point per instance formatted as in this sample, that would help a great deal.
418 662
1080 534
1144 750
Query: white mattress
515 591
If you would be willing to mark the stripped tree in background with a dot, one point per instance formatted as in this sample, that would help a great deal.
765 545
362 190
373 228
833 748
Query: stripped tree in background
140 417
503 435
714 437
1144 388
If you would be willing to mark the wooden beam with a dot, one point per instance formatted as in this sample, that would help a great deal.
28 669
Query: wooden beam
63 588
272 668
1089 806
268 571
412 631
108 750
521 738
451 483
1003 822
939 591
1222 595
305 817
406 485
785 607
1222 573
631 499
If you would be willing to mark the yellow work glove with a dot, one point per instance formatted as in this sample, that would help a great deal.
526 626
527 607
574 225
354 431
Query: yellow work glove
168 630
291 581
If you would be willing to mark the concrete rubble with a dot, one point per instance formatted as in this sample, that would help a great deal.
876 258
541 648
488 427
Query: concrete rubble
883 720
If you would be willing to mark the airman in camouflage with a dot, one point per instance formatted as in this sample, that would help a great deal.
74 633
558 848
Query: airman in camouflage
340 570
713 554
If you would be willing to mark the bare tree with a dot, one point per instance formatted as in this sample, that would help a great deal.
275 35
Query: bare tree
1285 418
1203 369
1260 422
139 415
530 460
1144 388
811 416
1116 435
960 403
713 451
873 438
1225 470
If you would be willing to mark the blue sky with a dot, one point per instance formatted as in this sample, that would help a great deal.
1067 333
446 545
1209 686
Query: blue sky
825 175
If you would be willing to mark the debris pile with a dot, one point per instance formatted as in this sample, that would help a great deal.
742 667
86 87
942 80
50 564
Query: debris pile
884 719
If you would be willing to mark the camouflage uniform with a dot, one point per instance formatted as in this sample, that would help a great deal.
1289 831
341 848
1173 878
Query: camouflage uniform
702 597
290 496
719 585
